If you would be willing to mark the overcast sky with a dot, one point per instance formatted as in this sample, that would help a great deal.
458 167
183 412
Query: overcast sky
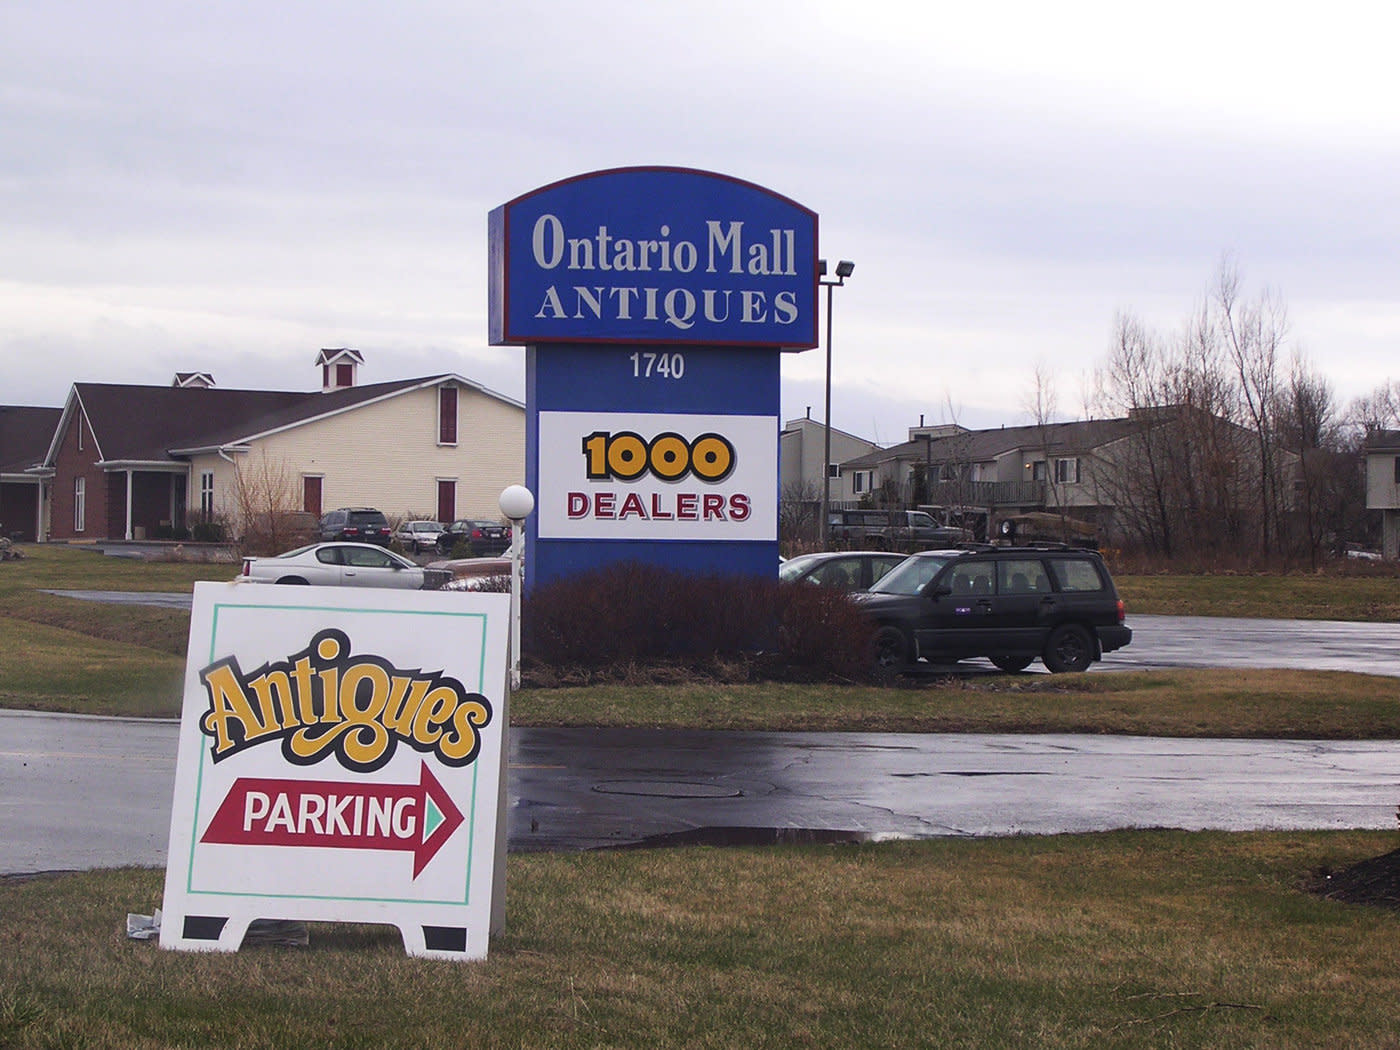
230 187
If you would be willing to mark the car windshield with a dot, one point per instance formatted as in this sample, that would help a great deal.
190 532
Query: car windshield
910 576
795 567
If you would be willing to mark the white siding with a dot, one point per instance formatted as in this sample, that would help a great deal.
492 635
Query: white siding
1382 492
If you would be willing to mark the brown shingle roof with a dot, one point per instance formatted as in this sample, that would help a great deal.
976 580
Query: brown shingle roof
25 434
977 446
144 423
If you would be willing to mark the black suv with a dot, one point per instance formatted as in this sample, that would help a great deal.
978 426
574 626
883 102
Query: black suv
487 538
1009 604
359 524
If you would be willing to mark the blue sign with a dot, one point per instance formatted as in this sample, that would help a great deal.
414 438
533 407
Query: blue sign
656 256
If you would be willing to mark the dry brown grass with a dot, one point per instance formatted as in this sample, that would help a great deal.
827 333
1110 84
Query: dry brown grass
1125 940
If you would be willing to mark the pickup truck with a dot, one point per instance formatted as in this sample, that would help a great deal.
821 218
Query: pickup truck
892 530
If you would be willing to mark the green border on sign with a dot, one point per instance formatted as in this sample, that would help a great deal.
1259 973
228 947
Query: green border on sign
204 754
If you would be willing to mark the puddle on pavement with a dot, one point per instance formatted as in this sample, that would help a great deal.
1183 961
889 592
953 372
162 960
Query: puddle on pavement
667 789
736 836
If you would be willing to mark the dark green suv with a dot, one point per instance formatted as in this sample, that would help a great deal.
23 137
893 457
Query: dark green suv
1009 604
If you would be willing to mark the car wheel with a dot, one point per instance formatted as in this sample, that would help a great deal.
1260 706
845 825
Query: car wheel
1069 648
294 580
889 652
1006 662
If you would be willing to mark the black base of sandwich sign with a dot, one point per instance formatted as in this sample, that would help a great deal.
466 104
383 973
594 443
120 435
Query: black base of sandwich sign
341 759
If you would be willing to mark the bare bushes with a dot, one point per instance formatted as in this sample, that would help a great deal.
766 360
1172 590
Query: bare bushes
639 621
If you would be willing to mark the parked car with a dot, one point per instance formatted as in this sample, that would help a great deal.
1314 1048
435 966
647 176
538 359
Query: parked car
1009 604
418 536
343 565
485 537
892 530
356 524
844 570
476 574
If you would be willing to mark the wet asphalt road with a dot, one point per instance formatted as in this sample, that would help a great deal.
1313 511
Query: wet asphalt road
80 792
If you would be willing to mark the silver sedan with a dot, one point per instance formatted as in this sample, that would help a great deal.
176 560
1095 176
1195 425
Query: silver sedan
343 565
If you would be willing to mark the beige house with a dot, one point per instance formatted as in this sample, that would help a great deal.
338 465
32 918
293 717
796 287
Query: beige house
1383 487
800 448
133 462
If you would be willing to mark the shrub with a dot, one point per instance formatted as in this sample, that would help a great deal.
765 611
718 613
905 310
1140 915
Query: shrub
632 615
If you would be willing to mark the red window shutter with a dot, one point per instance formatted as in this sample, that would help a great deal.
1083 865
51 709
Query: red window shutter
447 415
311 496
447 501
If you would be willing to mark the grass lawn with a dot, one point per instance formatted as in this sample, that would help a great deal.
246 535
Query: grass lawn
1128 939
70 655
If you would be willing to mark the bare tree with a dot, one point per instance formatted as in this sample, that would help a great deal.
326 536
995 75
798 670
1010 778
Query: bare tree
1207 465
1042 405
1253 333
1134 383
799 511
264 495
1378 410
1308 427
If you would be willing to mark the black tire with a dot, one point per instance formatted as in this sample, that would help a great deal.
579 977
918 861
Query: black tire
294 580
1069 648
1007 662
889 652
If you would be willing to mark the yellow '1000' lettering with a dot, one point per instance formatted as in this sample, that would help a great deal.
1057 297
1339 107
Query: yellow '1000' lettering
626 456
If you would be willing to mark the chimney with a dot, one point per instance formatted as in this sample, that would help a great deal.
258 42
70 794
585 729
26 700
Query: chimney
338 368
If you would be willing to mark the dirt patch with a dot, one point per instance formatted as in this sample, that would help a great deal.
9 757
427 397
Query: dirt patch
1375 882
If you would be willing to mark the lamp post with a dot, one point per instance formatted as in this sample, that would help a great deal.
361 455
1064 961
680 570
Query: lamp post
516 504
843 270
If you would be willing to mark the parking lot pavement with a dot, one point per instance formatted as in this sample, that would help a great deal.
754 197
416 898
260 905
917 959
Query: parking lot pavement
164 600
80 792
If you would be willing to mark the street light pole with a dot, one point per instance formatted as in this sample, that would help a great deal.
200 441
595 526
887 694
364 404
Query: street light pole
843 270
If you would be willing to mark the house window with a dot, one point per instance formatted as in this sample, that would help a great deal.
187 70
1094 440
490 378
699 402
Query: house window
80 433
447 415
833 470
79 504
1038 470
1066 471
858 481
1397 470
206 495
344 376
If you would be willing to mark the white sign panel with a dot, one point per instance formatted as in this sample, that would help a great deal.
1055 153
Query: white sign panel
658 476
340 759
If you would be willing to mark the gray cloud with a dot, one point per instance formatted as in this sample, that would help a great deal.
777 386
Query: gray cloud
231 187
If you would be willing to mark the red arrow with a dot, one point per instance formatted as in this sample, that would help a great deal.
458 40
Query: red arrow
338 815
